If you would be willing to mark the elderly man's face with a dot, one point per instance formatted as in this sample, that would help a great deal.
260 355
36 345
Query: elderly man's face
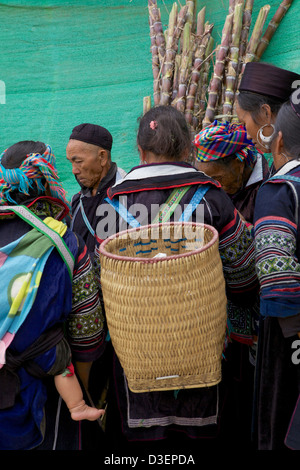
88 163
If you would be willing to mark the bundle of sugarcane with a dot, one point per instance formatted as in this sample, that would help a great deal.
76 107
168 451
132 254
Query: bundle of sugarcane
189 73
241 49
180 55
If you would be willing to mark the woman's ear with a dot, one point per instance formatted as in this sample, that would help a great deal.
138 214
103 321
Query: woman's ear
266 113
278 147
142 155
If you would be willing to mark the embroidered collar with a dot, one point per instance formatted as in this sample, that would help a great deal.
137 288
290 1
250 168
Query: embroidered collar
156 169
160 176
257 172
44 206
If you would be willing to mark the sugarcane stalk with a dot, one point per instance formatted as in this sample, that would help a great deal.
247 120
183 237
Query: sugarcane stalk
201 94
176 76
200 26
220 103
184 67
191 12
169 66
256 35
247 19
201 22
233 62
189 18
155 64
181 19
216 81
146 104
205 81
272 27
231 6
196 110
154 13
196 72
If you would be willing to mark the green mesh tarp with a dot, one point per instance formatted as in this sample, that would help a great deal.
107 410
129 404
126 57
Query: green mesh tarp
68 62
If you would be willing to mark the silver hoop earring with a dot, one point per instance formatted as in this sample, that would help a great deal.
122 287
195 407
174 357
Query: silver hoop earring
265 141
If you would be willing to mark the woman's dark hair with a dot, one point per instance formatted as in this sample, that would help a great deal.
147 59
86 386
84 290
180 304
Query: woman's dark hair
163 130
16 154
252 102
13 158
288 123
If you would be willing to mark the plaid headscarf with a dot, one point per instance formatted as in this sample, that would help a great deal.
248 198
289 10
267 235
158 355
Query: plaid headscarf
33 170
221 139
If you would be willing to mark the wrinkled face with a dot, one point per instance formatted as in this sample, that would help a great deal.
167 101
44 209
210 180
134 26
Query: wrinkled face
87 162
230 176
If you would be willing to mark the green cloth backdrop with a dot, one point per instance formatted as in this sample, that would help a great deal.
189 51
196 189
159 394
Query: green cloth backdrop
68 62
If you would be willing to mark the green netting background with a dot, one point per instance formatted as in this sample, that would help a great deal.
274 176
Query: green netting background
68 62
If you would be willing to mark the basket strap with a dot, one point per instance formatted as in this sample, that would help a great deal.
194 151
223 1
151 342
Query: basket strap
284 177
196 199
84 216
28 216
85 219
171 204
123 212
162 216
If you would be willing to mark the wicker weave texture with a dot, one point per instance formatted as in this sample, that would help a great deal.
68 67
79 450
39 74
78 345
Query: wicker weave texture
166 316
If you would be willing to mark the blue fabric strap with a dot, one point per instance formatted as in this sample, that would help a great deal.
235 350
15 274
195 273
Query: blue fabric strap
196 199
86 221
123 211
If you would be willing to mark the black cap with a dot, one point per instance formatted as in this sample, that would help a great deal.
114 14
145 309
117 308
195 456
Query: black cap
266 79
93 134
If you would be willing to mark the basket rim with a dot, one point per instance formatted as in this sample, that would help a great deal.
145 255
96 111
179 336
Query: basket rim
104 252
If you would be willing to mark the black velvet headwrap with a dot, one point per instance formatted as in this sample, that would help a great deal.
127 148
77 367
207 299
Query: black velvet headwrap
266 79
93 134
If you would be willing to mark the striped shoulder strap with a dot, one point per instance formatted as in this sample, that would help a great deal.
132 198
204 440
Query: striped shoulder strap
285 177
28 216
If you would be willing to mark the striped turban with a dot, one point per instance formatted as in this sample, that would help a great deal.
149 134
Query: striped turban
34 170
221 139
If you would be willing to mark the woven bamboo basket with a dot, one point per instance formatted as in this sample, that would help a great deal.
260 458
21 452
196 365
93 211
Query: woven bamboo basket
166 314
